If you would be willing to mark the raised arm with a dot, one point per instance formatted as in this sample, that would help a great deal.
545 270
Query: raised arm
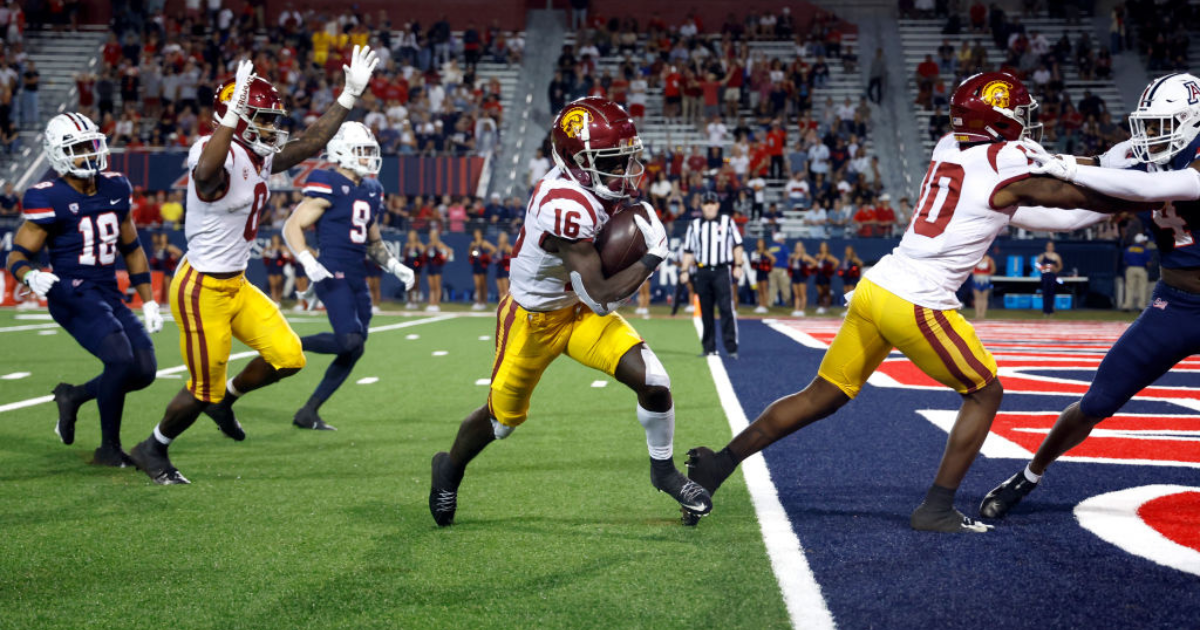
314 139
209 174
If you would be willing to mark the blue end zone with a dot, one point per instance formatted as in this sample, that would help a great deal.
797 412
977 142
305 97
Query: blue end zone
849 483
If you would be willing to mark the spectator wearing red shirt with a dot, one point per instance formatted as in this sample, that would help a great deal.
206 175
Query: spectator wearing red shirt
927 74
734 80
696 162
865 218
672 92
776 141
885 215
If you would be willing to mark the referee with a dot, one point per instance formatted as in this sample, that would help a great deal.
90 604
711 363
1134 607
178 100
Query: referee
714 245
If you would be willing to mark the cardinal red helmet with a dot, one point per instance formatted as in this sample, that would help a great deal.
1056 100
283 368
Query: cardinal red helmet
991 107
258 128
596 144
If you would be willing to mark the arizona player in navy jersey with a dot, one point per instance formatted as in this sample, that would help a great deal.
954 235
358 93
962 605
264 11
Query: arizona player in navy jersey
1161 164
344 203
83 217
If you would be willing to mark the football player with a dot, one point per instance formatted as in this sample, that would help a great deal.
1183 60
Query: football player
560 302
980 179
83 217
1159 164
210 297
344 203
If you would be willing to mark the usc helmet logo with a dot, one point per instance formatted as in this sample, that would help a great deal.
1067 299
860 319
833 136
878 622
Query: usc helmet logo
227 92
573 122
997 94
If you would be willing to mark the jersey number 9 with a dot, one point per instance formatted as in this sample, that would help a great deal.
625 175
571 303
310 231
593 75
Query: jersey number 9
360 218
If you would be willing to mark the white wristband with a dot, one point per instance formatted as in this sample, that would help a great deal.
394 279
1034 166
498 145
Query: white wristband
346 99
230 119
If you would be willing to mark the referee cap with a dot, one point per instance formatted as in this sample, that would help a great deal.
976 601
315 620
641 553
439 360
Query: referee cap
710 197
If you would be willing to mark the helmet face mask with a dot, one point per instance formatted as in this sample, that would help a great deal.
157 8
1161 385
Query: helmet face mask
1167 118
258 129
75 146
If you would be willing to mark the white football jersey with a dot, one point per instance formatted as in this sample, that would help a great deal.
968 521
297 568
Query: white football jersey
954 223
221 232
559 207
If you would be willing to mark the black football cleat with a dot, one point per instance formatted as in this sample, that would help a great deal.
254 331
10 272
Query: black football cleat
443 492
693 499
946 521
226 421
705 468
111 456
307 418
68 409
152 460
1006 496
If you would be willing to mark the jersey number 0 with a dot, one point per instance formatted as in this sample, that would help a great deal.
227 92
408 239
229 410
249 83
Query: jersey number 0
939 199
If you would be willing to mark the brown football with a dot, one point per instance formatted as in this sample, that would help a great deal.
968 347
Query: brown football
620 243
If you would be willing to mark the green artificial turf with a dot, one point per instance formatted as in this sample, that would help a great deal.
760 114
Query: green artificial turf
558 526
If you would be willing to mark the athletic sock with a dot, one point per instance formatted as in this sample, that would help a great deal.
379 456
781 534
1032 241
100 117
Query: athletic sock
660 431
1030 477
162 440
940 498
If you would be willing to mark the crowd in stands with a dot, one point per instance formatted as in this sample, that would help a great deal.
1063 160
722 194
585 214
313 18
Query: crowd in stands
159 71
1073 122
1156 29
763 130
19 76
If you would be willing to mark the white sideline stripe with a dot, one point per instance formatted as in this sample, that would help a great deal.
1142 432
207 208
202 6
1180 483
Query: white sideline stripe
798 336
14 376
801 594
599 384
233 357
48 332
28 327
483 381
367 380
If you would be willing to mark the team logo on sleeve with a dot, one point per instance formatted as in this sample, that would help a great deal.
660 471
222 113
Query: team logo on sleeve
574 121
74 208
997 94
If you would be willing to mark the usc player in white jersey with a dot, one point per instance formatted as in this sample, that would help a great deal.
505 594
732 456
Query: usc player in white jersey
559 302
211 300
979 181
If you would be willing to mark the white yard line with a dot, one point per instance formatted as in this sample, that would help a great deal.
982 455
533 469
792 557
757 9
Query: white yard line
801 594
233 357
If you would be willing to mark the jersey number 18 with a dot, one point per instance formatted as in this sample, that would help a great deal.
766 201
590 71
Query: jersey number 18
99 235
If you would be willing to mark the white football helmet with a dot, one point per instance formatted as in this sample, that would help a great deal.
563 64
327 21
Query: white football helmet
351 145
70 137
1167 118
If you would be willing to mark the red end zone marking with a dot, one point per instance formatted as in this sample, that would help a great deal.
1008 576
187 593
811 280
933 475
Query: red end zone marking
1122 437
1175 516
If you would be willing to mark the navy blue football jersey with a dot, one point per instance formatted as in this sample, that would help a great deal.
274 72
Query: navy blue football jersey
342 230
83 230
1175 225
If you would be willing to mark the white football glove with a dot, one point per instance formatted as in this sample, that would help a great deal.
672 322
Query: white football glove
402 271
236 108
152 317
1061 167
653 233
315 271
1119 156
362 63
39 281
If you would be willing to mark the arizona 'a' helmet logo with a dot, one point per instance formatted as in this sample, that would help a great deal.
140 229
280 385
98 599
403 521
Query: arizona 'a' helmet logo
997 94
573 122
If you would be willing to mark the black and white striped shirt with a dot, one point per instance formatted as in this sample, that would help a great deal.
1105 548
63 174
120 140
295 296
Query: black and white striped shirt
712 242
